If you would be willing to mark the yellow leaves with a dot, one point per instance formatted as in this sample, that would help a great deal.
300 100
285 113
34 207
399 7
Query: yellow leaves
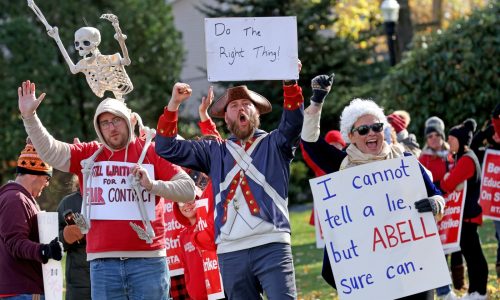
355 16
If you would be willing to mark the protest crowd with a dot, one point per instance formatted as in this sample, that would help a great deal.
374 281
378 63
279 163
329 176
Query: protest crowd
155 216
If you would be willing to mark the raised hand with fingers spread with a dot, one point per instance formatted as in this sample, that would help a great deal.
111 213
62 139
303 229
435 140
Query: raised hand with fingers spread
28 102
205 103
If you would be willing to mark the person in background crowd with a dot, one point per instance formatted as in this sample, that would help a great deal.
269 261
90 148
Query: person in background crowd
21 253
77 268
399 120
467 168
204 239
194 277
437 158
489 138
362 125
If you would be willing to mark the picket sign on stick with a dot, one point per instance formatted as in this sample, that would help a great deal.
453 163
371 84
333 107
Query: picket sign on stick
379 246
489 197
241 49
450 226
48 229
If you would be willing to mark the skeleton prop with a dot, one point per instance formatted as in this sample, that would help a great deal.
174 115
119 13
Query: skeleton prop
103 72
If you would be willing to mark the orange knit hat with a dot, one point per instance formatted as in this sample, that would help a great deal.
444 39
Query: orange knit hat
30 163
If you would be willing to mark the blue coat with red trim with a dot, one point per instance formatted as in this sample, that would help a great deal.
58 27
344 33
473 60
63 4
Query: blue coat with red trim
271 157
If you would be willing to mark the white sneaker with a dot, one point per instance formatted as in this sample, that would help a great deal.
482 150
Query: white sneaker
474 296
450 296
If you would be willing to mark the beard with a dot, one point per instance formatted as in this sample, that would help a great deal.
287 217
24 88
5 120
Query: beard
247 132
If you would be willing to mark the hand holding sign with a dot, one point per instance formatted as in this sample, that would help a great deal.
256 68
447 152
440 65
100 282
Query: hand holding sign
142 175
53 250
428 205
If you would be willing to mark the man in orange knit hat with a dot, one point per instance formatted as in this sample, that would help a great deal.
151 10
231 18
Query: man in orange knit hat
21 254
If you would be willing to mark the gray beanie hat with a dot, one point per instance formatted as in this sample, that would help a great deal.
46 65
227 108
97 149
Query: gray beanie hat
434 124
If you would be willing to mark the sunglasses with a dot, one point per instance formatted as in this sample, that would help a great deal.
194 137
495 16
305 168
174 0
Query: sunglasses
364 129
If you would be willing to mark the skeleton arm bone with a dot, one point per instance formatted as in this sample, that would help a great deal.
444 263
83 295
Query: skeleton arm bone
119 36
54 33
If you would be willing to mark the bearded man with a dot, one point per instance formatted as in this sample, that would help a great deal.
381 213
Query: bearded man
250 173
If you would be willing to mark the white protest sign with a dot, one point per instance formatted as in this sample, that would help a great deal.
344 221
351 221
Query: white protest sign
320 241
111 193
48 229
251 48
379 246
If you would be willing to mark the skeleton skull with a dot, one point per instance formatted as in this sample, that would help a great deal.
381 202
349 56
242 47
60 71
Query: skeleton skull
86 40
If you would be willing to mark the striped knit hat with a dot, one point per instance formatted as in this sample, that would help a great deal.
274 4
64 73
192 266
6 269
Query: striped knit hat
30 163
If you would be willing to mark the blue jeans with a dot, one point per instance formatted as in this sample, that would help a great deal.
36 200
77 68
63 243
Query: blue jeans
269 268
130 278
23 297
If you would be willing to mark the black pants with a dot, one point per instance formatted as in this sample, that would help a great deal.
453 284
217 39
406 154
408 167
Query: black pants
477 267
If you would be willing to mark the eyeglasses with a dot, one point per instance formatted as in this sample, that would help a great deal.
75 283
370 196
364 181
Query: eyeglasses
116 121
364 129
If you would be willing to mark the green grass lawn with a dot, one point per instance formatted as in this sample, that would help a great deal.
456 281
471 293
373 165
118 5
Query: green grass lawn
308 259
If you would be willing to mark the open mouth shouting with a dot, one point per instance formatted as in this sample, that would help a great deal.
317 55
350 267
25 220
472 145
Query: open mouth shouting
372 143
244 119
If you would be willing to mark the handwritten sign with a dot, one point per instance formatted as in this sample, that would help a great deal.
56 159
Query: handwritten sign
112 195
48 229
251 48
489 197
174 248
379 246
450 225
320 240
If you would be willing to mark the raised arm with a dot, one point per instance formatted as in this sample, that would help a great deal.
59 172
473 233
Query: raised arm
190 154
206 125
327 157
54 152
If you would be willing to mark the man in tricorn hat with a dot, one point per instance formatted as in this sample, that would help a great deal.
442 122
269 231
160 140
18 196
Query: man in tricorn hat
250 173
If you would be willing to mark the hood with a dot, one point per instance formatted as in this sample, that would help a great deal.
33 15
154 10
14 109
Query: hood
180 217
117 108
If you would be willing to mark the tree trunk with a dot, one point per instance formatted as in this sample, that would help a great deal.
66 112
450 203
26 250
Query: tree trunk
437 12
405 28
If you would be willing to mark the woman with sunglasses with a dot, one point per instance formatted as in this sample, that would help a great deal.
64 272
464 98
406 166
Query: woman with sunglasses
362 125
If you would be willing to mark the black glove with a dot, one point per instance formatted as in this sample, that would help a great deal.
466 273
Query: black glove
321 86
53 250
426 205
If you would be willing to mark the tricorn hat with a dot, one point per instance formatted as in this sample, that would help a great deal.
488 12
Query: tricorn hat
218 109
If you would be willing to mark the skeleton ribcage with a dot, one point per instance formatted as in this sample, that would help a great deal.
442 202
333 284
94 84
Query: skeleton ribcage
107 74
